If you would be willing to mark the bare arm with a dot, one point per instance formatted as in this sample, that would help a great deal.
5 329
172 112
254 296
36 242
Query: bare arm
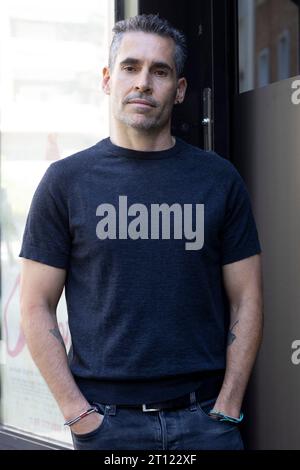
41 288
243 285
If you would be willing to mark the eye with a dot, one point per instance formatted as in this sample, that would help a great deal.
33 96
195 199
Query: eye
129 68
161 73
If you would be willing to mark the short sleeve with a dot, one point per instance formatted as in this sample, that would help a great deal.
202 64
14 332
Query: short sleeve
239 234
47 236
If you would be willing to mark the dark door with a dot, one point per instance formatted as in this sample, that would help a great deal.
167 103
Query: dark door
207 71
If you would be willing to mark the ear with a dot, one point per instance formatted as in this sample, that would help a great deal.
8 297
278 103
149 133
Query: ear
181 89
106 80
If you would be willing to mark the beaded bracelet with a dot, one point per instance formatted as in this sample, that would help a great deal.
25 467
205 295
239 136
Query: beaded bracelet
82 415
223 417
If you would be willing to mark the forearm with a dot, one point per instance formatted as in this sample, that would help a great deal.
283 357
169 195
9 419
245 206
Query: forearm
244 339
49 354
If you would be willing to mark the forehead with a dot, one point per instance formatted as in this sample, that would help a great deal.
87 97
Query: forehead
146 47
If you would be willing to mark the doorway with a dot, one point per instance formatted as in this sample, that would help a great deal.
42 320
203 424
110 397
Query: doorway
208 70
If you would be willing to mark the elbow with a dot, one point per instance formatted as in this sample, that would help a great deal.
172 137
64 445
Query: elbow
27 312
30 311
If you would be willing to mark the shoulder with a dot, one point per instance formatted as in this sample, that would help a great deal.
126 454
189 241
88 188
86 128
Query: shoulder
73 164
211 162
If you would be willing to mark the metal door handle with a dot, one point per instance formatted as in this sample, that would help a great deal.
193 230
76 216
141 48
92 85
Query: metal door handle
207 121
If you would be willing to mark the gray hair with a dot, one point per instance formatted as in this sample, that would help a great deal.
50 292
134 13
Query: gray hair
150 24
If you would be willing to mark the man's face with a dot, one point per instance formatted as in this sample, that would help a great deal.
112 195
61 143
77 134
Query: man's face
143 85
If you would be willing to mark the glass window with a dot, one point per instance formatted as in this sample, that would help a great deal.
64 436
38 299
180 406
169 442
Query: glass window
52 105
264 67
268 41
284 55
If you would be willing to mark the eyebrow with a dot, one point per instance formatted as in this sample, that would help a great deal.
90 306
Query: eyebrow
132 61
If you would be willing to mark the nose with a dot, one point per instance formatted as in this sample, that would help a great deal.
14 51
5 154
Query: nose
143 83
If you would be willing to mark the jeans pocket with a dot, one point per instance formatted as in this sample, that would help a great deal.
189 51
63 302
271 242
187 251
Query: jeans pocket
103 411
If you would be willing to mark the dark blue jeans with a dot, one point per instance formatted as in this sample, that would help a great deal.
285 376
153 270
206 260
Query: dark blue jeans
188 428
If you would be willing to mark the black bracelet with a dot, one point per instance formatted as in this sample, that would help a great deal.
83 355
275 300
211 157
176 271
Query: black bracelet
82 415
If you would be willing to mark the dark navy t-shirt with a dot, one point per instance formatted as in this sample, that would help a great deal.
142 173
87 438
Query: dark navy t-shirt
143 237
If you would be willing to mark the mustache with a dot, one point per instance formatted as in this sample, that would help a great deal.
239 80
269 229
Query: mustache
140 97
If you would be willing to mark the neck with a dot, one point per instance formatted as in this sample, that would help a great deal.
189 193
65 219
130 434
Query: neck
145 141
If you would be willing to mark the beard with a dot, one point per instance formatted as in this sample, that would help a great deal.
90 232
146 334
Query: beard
142 121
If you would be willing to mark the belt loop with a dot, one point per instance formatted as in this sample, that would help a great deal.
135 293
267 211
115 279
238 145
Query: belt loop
193 401
111 409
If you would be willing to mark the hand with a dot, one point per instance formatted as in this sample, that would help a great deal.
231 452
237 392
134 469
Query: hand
87 424
213 416
222 416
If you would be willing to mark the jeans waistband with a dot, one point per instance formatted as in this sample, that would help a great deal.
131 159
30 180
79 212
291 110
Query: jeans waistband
208 389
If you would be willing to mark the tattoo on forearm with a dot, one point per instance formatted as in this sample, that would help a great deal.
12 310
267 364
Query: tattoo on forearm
231 336
56 333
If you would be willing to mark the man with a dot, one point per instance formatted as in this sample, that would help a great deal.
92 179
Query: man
155 243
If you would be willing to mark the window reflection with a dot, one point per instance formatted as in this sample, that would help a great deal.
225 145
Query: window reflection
52 105
268 41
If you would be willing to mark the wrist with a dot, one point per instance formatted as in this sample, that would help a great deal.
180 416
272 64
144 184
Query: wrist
74 409
225 417
227 408
83 415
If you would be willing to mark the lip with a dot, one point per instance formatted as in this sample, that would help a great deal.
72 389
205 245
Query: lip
141 102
